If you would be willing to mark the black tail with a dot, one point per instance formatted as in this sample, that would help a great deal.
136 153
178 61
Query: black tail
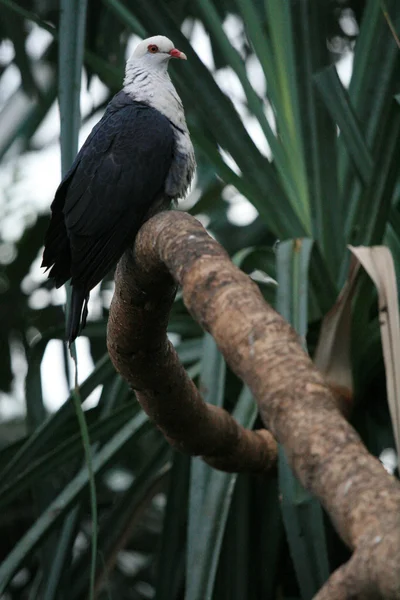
78 312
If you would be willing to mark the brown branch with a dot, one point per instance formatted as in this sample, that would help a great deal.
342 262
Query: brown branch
141 352
295 402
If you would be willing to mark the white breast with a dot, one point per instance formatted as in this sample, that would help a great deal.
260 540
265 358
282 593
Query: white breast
157 90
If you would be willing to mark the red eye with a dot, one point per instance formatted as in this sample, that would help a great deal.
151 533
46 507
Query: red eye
152 48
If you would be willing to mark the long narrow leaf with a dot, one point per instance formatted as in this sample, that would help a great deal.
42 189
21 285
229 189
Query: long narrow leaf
211 18
217 498
63 555
65 500
71 50
338 103
62 453
119 522
202 554
370 90
376 200
125 16
302 514
61 558
171 559
50 429
253 18
289 123
293 258
370 85
233 581
309 22
72 28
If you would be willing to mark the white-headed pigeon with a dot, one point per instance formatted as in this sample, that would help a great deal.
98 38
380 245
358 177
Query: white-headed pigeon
136 160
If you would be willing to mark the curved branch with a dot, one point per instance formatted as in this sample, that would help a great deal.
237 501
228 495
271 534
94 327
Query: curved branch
143 355
294 400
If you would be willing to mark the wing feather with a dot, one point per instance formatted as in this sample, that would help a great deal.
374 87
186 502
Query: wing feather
117 176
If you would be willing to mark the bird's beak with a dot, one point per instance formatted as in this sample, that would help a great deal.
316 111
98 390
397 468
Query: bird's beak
175 53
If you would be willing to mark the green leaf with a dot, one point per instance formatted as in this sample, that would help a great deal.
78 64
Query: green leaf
309 22
293 258
303 519
63 553
254 20
66 499
377 199
302 514
288 115
35 409
51 428
210 490
210 17
44 490
233 581
269 536
202 549
125 16
190 350
371 87
216 494
337 102
70 60
210 150
126 513
171 559
27 14
184 325
63 453
370 91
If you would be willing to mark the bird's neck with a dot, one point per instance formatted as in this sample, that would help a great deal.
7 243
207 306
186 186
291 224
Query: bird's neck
155 89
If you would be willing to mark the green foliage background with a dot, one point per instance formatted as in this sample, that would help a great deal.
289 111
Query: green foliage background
180 529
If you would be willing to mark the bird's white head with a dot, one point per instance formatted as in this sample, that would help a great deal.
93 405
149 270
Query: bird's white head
154 53
147 80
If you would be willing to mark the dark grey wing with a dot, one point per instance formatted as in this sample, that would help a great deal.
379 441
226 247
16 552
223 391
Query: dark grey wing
116 182
102 202
57 252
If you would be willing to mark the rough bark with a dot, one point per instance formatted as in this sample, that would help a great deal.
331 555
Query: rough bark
295 402
141 352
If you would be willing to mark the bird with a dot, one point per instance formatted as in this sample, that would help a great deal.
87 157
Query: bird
137 160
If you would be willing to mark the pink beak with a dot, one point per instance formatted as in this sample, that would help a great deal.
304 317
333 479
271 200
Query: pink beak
175 53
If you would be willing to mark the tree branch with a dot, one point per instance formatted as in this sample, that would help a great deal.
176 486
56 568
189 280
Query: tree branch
295 402
143 355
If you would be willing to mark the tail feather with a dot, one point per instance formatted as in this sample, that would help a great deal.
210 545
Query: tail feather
78 312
